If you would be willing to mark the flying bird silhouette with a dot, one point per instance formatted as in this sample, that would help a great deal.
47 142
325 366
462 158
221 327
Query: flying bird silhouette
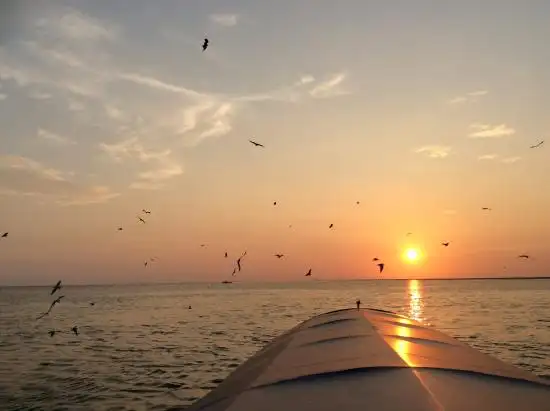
330 226
75 330
274 203
145 264
205 44
56 287
538 145
234 271
524 256
119 228
357 202
256 144
381 267
226 254
486 208
203 245
5 235
141 220
54 302
279 255
308 274
145 211
375 259
445 244
239 261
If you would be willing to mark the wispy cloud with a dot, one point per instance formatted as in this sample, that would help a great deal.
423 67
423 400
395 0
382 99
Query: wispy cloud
488 157
490 131
511 160
38 95
24 176
226 20
161 167
329 87
54 138
434 151
74 24
470 97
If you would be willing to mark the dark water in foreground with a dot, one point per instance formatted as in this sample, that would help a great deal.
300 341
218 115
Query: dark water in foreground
141 348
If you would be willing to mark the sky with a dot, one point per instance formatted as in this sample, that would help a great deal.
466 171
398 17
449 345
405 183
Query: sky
422 111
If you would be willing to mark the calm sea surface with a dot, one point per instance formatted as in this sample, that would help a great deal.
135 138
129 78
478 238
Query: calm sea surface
141 348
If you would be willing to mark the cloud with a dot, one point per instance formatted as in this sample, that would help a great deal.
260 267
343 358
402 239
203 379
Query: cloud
38 95
75 25
154 179
3 96
306 79
487 157
225 20
490 131
510 160
330 87
434 151
54 138
470 97
25 176
163 169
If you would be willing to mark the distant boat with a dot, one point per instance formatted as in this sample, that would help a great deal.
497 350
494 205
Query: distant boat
227 282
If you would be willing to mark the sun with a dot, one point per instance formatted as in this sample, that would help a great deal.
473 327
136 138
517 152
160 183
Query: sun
412 255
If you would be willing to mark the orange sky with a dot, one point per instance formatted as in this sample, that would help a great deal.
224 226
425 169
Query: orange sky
423 126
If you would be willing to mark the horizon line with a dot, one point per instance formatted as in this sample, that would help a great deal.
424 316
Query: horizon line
287 282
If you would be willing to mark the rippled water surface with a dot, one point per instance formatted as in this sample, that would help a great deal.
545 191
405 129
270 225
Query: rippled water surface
142 348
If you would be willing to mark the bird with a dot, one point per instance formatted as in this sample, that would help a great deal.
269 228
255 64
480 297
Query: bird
145 263
239 260
381 266
226 254
203 245
358 202
205 44
538 144
445 244
308 274
279 255
75 330
56 287
256 144
54 302
330 226
524 256
119 228
52 332
141 220
5 235
408 234
145 211
486 208
274 203
92 303
375 259
234 271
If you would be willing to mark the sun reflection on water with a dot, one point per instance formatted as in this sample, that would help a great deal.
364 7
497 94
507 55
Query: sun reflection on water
416 303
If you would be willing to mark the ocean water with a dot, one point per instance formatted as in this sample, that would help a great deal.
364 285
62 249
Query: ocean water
141 347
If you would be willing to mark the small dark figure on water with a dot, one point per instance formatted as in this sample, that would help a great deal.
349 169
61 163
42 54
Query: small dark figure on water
358 302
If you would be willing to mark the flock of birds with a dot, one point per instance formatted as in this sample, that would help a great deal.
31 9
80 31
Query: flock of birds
238 262
54 331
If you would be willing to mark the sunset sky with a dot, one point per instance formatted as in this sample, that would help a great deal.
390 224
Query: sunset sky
424 111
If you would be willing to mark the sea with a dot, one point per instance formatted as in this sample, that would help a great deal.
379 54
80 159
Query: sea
154 347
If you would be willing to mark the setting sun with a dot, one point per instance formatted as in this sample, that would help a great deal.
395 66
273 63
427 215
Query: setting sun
412 255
